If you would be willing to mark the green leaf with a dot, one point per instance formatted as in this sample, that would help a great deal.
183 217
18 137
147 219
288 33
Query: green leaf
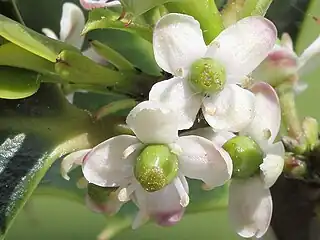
135 49
32 41
102 18
138 7
34 132
70 66
112 56
18 83
309 31
15 56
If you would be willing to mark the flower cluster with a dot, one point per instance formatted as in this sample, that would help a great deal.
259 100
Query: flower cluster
150 168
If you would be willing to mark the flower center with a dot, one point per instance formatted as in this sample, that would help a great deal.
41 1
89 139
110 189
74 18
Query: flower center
156 167
207 76
246 156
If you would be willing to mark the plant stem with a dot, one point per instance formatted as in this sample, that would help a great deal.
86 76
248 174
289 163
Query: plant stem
289 112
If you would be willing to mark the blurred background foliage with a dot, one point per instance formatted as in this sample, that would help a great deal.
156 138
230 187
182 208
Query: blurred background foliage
57 215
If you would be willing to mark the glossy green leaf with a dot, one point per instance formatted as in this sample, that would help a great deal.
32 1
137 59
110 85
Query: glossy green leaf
138 7
34 132
15 56
102 18
112 56
138 51
32 41
18 83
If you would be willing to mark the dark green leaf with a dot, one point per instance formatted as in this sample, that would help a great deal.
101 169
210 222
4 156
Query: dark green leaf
138 7
34 132
18 83
103 18
30 40
135 49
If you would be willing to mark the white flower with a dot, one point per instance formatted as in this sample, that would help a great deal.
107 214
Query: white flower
283 64
178 43
71 25
112 163
91 4
250 202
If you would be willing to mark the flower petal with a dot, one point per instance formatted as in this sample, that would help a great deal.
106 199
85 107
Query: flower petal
271 168
230 110
267 119
71 25
153 122
202 159
275 149
218 138
310 58
177 43
177 95
162 206
72 161
104 164
243 46
49 33
91 4
250 207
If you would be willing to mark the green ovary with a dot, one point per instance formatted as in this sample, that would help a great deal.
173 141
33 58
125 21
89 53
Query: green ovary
156 167
207 76
246 156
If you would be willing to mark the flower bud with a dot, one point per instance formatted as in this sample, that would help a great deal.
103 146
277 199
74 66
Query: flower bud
207 76
280 66
246 156
156 167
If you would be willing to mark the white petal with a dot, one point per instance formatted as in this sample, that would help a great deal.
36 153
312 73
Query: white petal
230 110
49 33
152 122
91 4
177 43
271 168
310 58
71 25
218 138
243 46
286 41
267 119
104 165
177 95
250 207
71 161
202 159
275 149
163 206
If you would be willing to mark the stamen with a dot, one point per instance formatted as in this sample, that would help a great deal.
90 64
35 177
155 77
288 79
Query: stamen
124 193
140 219
132 148
211 111
184 197
175 148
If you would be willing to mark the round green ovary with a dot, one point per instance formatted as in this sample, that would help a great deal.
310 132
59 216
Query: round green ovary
156 167
207 76
246 156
